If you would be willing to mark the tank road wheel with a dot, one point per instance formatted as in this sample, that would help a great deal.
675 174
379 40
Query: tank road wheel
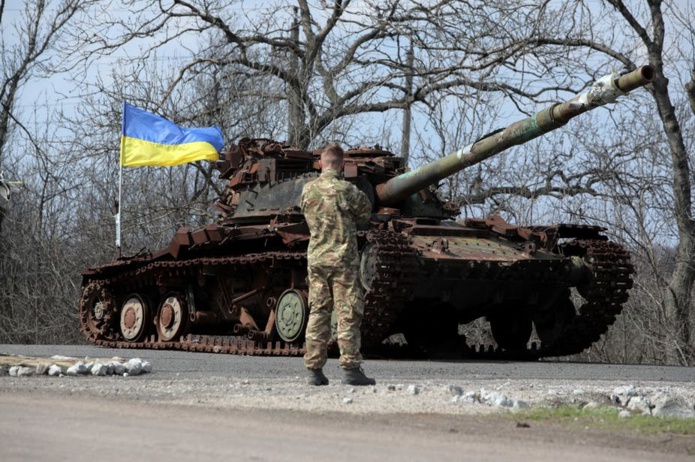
551 323
135 318
511 331
172 319
96 312
291 315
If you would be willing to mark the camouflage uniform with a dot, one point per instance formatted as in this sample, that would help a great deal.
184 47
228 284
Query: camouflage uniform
333 207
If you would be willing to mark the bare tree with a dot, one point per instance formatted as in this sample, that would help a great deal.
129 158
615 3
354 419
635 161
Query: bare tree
620 174
31 47
646 24
327 63
35 296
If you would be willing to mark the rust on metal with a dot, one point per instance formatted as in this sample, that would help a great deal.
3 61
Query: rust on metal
239 285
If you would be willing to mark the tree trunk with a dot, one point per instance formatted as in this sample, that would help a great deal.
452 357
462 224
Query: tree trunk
678 294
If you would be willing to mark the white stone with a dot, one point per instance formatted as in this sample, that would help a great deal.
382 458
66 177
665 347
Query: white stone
502 401
494 398
42 368
471 397
54 370
455 390
13 371
99 369
639 404
624 414
89 366
134 366
116 367
25 371
413 389
79 368
592 405
628 390
347 400
667 406
146 367
519 404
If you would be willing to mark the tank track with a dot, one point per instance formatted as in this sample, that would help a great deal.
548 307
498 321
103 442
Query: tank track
391 287
107 334
604 294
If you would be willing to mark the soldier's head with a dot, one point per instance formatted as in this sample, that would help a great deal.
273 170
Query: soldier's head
332 157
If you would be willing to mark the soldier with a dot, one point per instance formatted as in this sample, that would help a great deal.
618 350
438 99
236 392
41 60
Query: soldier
333 208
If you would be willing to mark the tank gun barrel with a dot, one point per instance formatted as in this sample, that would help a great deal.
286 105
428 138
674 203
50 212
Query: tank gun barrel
603 91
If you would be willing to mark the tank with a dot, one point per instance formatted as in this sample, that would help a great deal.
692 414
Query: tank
239 285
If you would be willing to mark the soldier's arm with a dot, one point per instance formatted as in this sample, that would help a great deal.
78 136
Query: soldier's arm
302 201
362 208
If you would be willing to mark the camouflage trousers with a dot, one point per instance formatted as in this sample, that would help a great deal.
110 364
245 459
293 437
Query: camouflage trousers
334 288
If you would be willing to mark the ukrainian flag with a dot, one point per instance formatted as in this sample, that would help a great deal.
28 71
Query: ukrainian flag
150 140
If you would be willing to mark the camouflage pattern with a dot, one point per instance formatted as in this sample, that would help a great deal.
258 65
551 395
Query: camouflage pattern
333 208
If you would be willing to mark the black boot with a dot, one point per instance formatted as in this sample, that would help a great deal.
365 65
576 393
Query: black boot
316 377
356 377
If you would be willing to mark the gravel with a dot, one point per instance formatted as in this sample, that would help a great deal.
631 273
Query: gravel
138 379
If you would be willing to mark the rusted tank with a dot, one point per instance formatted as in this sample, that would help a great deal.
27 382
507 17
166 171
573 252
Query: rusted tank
239 285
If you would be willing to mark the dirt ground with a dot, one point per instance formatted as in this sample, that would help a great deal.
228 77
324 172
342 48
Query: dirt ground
41 425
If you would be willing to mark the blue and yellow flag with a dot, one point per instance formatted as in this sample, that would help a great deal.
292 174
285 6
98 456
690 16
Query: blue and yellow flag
150 140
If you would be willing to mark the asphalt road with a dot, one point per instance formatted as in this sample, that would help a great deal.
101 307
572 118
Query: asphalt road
169 364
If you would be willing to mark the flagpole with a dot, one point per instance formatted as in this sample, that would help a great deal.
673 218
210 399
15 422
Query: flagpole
118 211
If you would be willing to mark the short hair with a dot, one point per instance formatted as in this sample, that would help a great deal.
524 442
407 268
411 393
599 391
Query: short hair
332 156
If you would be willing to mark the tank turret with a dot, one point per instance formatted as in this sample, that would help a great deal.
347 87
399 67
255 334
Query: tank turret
239 285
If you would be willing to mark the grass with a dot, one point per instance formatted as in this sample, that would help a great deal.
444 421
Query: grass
607 418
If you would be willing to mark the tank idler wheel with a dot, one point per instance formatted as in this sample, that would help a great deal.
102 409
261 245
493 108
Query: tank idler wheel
135 318
511 331
172 318
291 315
96 311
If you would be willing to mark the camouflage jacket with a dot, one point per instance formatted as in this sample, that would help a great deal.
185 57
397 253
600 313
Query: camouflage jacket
333 208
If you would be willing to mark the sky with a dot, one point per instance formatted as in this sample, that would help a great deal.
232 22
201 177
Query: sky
59 92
